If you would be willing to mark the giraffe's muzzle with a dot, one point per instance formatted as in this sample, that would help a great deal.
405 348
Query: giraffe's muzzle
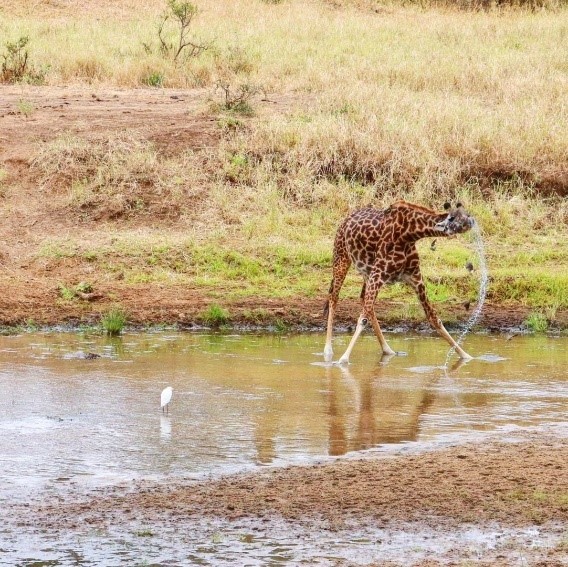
457 221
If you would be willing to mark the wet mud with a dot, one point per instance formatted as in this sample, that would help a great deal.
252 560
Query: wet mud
491 503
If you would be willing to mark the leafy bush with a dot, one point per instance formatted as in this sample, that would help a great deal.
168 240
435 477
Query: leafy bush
237 98
15 66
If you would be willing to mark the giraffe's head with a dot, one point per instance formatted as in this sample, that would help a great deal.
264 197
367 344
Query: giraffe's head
456 221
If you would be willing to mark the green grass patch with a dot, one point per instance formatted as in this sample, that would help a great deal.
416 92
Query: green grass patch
215 316
114 321
285 265
536 323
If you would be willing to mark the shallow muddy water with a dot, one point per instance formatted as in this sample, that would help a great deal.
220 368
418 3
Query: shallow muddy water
69 424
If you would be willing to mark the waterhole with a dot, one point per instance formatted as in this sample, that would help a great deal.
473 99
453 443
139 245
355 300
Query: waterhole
81 412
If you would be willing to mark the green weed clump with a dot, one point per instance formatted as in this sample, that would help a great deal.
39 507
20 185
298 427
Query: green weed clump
215 316
536 322
69 293
114 321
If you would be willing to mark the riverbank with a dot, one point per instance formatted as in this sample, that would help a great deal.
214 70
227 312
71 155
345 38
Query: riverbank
69 253
35 305
491 503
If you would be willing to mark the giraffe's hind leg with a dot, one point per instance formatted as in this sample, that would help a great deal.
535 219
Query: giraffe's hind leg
340 268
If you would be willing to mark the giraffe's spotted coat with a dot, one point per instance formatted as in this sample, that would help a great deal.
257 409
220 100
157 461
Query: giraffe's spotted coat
381 244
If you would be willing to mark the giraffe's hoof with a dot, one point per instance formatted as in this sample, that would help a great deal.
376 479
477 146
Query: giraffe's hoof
343 361
464 356
327 355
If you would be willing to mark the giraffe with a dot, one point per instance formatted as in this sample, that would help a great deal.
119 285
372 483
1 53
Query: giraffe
382 246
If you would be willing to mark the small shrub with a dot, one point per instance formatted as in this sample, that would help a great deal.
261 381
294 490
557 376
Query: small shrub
113 321
15 67
155 79
181 14
536 322
25 107
233 68
238 98
215 316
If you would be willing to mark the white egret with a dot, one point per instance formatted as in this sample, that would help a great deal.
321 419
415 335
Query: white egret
166 397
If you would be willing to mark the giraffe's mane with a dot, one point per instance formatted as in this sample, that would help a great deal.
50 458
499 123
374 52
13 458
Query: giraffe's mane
401 204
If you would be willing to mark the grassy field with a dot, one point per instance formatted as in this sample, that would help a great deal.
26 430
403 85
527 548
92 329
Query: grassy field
377 102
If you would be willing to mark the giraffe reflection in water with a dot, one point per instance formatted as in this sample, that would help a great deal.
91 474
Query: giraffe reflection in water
380 418
357 410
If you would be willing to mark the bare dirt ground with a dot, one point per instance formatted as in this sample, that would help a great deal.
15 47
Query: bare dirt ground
518 484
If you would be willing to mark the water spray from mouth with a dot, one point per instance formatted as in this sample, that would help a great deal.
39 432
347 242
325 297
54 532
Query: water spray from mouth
483 284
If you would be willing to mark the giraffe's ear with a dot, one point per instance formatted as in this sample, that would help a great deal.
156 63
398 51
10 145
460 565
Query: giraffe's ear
447 205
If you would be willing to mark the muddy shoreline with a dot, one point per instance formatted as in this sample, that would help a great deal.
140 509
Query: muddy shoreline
37 304
500 487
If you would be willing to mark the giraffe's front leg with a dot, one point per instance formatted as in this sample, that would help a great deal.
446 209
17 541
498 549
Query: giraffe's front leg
415 280
370 291
361 324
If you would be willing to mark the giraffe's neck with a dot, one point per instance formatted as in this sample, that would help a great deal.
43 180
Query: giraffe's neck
415 224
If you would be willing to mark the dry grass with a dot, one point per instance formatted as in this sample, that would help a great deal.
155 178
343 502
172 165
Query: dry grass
413 101
390 101
117 177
